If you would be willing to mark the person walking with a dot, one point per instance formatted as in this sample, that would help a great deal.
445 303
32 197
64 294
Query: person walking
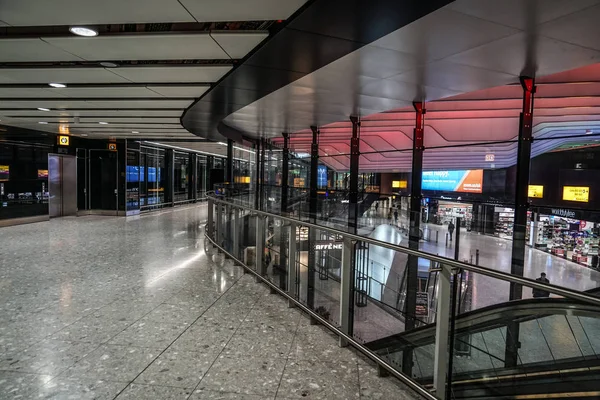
389 217
450 229
396 216
376 207
540 292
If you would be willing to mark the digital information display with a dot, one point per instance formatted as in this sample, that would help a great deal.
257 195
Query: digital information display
576 193
321 176
535 191
399 184
4 173
464 181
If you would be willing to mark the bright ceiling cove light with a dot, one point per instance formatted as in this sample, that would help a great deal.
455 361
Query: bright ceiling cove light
57 85
108 64
42 122
103 123
134 132
83 31
43 109
588 132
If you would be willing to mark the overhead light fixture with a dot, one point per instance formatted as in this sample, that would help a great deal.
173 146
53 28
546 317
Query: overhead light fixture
108 64
42 122
588 132
103 123
43 109
134 132
83 134
83 31
57 85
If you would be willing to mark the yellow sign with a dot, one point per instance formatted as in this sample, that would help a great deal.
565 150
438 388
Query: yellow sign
536 191
298 182
112 146
576 193
399 184
63 140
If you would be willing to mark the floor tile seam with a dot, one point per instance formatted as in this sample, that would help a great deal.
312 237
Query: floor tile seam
76 362
171 344
288 356
224 347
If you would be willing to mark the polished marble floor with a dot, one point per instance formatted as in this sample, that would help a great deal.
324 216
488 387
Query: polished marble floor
135 308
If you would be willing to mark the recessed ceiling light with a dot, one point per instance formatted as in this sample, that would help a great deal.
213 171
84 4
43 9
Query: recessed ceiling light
134 132
103 123
107 64
43 109
83 31
588 132
57 85
42 122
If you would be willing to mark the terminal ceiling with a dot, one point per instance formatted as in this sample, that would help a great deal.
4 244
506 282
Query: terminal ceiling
166 54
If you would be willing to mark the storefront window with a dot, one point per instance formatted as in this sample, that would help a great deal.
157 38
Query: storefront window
181 177
133 180
152 177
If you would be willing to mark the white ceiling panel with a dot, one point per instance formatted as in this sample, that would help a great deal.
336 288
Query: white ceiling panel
443 33
175 74
246 10
508 55
60 75
579 28
109 104
32 50
515 12
140 103
189 91
92 12
21 92
238 44
107 91
113 120
141 47
93 113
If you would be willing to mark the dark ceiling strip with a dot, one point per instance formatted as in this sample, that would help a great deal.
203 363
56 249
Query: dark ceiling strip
318 34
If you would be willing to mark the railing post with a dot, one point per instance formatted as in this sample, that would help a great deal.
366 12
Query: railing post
210 225
346 281
235 230
440 362
260 246
292 265
218 228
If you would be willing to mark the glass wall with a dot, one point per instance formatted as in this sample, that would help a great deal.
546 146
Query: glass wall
133 176
152 177
202 176
23 179
181 177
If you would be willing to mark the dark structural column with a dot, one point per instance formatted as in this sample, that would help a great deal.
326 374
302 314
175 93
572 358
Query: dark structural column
312 212
410 304
258 177
229 177
283 243
521 205
354 164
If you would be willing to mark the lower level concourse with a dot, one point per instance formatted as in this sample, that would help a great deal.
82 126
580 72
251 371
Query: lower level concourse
100 307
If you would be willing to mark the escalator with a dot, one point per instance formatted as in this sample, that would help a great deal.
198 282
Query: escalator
558 354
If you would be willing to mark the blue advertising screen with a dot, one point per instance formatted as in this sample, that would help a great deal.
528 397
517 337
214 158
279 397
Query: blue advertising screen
133 173
322 176
465 181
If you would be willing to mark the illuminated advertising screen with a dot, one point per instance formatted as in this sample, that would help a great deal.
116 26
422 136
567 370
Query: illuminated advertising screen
399 184
321 176
576 193
42 174
4 172
536 191
464 181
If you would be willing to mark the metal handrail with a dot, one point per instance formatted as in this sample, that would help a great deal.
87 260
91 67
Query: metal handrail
359 346
446 261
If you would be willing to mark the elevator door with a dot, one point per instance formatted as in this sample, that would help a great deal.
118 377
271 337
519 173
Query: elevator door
62 185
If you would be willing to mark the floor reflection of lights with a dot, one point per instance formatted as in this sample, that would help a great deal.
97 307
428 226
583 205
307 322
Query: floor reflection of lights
182 265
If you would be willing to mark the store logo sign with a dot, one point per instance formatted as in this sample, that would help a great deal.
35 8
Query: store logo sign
563 213
63 140
329 246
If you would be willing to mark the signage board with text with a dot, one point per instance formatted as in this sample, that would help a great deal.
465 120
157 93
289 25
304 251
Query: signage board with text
576 193
463 181
535 191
